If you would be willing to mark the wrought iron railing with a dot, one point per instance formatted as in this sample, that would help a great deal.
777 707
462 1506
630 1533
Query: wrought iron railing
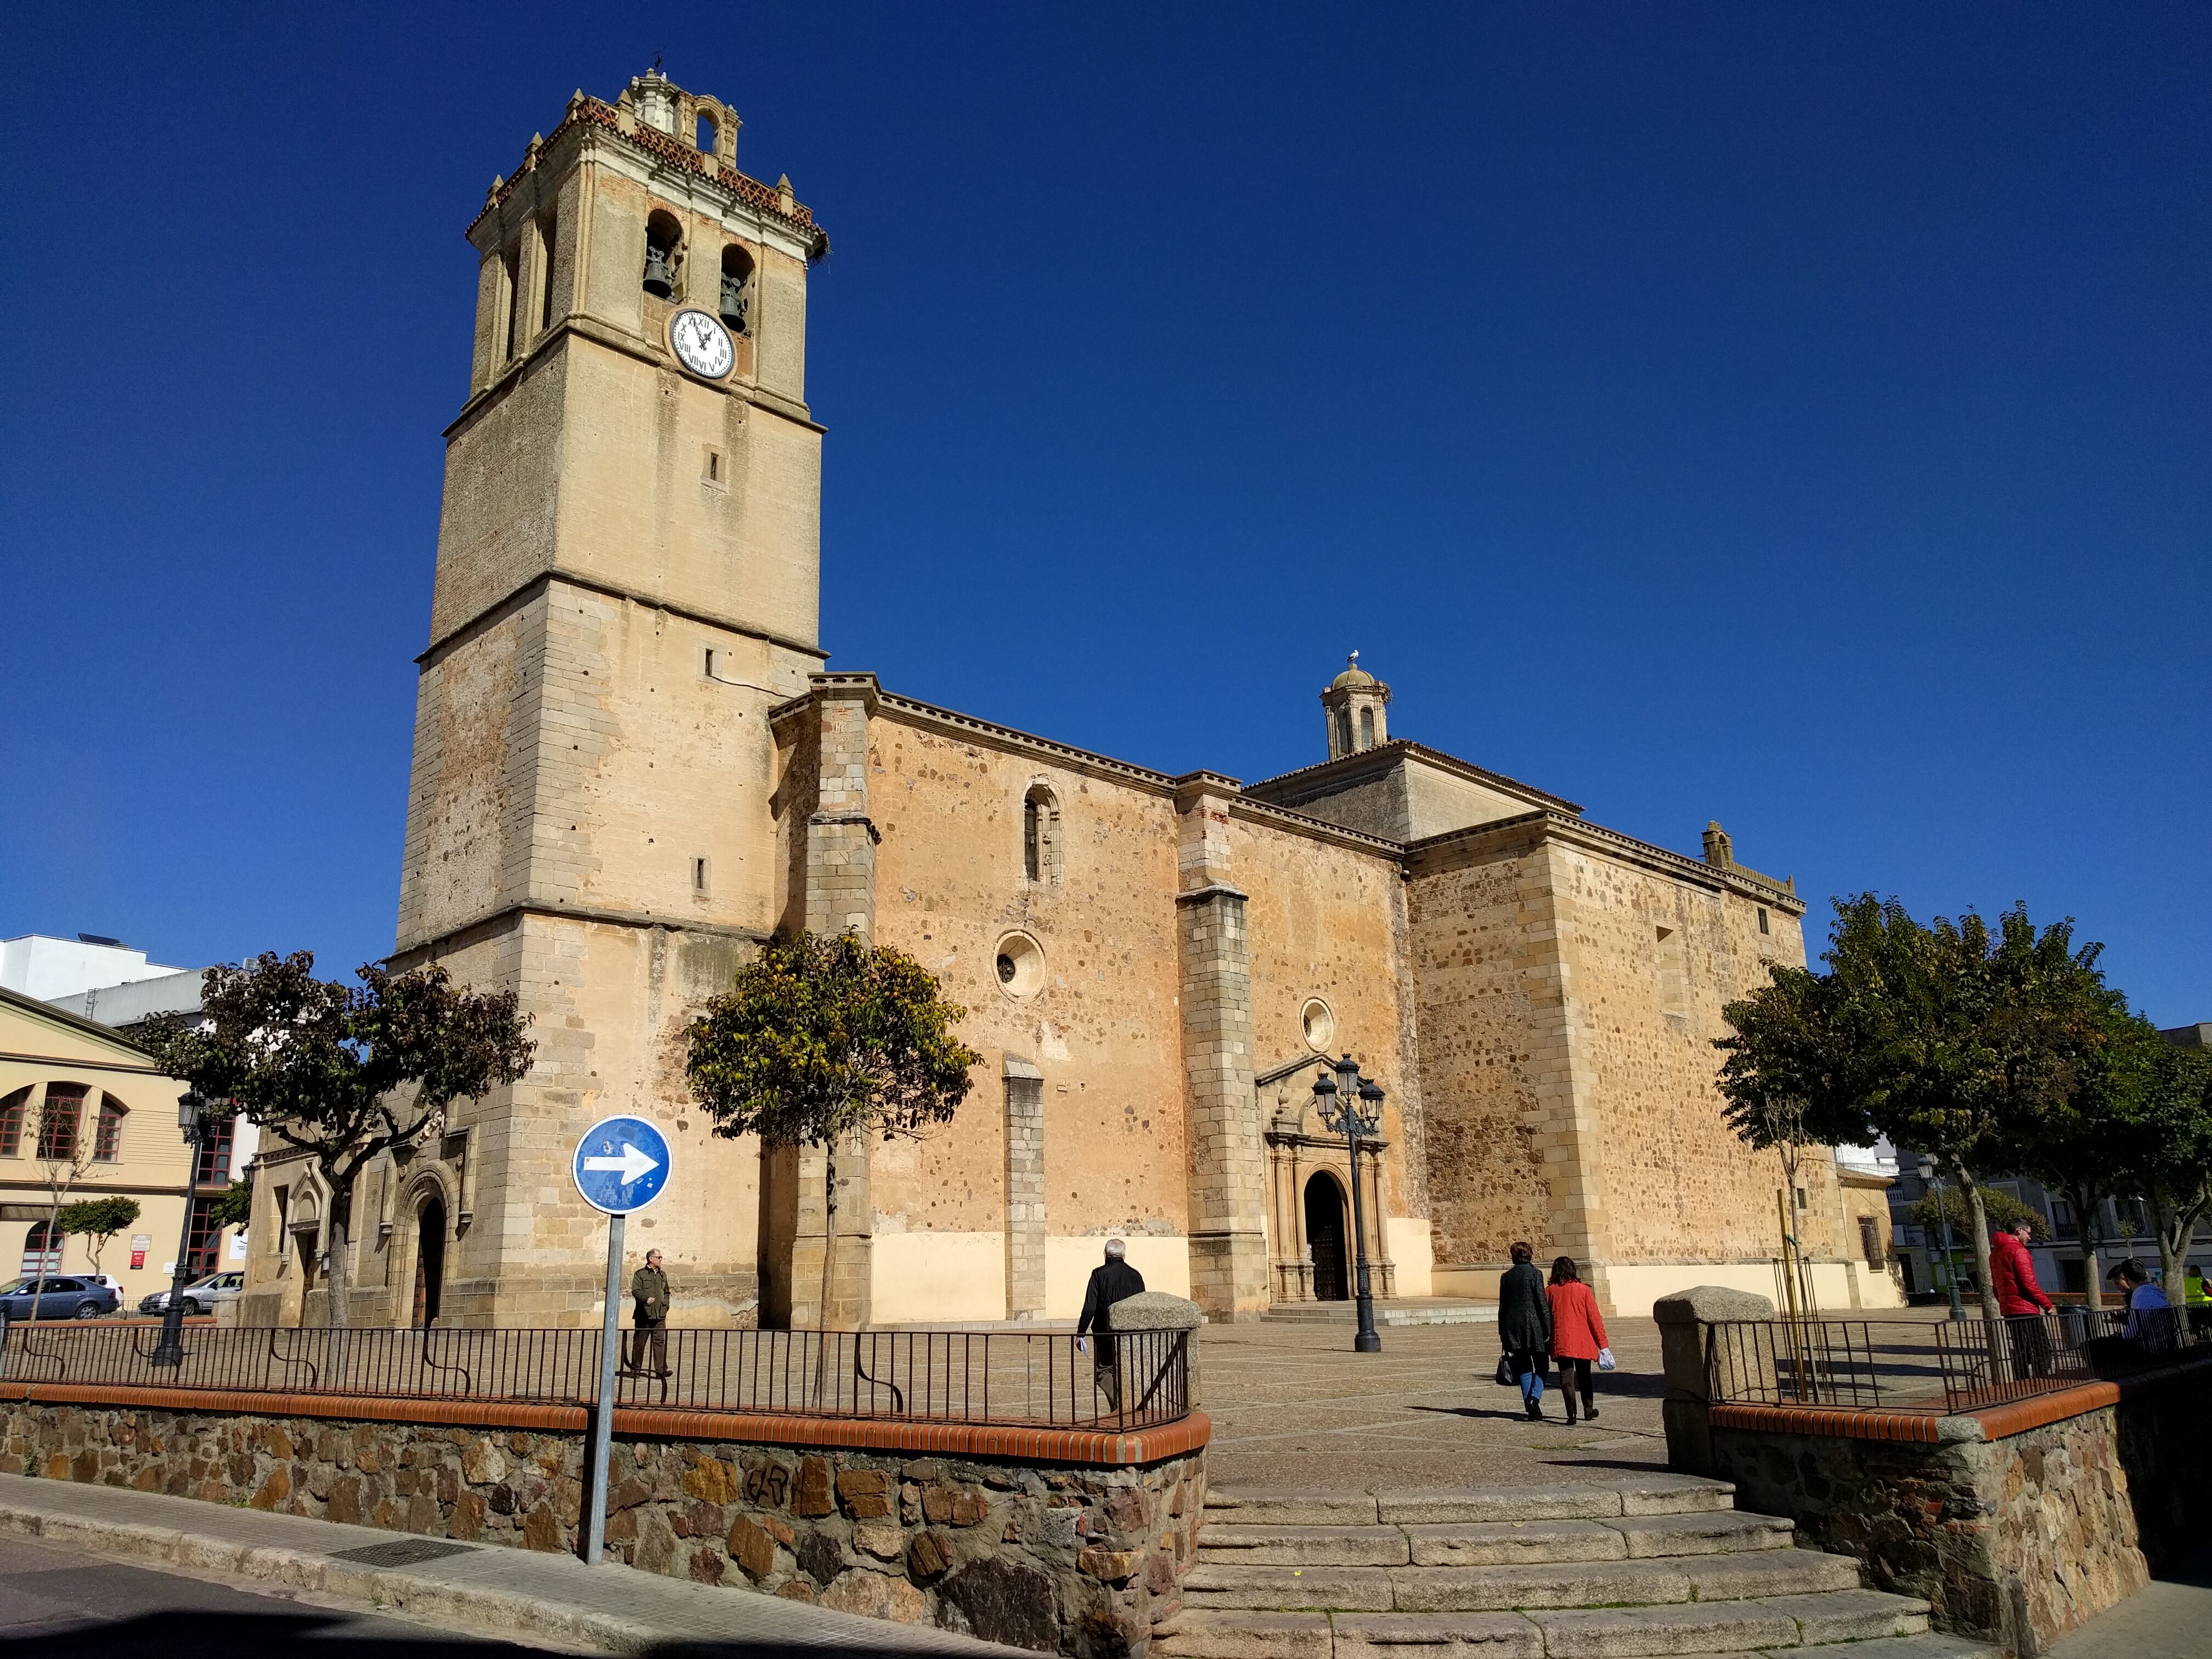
1949 1365
1041 1379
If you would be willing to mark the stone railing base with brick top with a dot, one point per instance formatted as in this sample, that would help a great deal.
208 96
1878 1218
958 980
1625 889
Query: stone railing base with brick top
1060 1540
2015 1521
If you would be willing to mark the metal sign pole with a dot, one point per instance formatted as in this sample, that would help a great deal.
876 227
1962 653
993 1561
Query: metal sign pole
603 1419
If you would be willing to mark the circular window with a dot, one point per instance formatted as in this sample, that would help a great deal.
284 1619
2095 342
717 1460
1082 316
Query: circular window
1318 1024
1020 965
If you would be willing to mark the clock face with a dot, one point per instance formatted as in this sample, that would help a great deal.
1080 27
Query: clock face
703 345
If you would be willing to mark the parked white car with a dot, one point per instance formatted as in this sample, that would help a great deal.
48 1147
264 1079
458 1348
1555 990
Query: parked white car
200 1296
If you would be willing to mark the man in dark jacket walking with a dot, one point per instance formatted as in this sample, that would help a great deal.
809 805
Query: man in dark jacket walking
1113 1280
648 1291
1525 1326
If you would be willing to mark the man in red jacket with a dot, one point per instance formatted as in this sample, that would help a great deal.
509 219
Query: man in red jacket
2019 1298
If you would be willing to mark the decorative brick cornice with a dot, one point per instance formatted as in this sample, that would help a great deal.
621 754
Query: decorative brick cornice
604 119
1106 1448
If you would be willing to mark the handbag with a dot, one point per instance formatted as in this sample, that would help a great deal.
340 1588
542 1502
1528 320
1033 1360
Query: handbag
1507 1376
1605 1361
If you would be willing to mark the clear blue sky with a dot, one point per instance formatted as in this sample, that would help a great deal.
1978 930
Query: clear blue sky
1797 416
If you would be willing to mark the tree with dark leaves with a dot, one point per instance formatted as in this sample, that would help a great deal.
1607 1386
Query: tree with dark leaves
344 1073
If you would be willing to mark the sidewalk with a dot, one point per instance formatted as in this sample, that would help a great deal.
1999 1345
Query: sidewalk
553 1601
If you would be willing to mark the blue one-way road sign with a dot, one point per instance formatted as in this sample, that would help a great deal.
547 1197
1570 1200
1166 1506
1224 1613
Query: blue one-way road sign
621 1164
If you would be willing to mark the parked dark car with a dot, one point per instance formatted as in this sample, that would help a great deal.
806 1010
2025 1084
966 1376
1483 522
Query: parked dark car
65 1297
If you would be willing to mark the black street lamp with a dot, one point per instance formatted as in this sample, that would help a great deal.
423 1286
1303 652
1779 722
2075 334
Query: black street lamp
1354 1107
1928 1173
191 1118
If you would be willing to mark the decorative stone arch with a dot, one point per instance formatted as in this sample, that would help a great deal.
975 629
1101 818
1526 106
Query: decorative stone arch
704 107
1299 1146
428 1212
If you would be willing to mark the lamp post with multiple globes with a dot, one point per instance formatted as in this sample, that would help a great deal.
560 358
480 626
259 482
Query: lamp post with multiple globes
1352 1106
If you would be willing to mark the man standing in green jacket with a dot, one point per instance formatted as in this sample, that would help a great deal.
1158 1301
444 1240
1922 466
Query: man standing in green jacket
648 1290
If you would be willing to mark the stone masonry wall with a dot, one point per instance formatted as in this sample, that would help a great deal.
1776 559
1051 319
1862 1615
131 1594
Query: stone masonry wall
2016 1540
1057 1559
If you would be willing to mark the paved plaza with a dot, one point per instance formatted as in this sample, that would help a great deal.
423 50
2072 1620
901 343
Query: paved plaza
1293 1405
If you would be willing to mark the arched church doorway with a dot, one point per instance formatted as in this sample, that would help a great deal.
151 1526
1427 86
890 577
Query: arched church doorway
429 1259
1325 1237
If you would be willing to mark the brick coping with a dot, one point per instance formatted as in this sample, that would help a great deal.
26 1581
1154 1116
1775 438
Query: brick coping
1107 1448
1933 1426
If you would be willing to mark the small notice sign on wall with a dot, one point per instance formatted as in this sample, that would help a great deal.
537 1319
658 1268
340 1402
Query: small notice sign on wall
238 1247
140 1243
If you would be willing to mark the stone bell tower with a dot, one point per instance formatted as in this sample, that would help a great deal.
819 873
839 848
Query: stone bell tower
627 575
1355 703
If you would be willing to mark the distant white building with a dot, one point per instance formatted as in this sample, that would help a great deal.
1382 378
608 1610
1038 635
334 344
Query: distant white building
41 966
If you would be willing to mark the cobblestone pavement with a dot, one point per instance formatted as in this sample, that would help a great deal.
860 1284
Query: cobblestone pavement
1293 1405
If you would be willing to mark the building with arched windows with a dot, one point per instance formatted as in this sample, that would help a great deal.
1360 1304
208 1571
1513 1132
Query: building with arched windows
83 1109
632 764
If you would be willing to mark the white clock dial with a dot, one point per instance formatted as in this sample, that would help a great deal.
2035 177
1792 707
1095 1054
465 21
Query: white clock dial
703 344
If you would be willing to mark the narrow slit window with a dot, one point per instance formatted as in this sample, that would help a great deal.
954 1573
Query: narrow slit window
1041 837
545 229
510 284
699 876
1762 920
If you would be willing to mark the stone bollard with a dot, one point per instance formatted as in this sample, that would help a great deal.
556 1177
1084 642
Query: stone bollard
1156 1310
1684 1319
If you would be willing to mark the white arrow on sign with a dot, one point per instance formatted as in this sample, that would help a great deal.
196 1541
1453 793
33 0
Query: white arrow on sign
634 1164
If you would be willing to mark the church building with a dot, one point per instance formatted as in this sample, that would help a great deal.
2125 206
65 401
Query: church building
632 764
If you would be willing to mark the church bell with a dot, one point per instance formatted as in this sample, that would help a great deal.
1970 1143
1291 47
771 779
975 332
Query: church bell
658 278
733 301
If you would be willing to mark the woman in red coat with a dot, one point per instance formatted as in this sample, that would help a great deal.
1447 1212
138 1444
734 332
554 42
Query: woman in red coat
1578 1334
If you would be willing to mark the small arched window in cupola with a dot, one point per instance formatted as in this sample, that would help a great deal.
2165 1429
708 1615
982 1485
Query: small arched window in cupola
664 254
736 290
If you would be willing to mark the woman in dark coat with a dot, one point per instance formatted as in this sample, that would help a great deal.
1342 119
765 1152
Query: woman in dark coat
1525 1326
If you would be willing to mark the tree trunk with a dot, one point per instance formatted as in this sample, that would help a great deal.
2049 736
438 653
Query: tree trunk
1980 1223
340 1231
2084 1203
2174 1227
829 1257
53 1221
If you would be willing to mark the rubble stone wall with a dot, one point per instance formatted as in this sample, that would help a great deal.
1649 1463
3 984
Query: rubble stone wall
2014 1540
1065 1558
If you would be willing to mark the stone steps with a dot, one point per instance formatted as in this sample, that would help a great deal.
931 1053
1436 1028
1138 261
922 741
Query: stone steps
1491 1543
1655 1494
1657 1565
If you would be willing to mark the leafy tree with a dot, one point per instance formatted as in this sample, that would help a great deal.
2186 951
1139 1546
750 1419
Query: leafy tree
98 1219
1784 1083
2002 1209
2086 1146
1946 1038
234 1208
824 1039
2173 1149
343 1073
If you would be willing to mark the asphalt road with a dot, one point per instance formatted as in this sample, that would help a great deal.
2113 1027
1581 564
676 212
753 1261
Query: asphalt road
56 1604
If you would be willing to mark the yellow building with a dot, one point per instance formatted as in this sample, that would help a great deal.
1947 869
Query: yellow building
77 1101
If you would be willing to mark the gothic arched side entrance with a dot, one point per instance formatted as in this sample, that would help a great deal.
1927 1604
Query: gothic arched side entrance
1326 1233
430 1260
